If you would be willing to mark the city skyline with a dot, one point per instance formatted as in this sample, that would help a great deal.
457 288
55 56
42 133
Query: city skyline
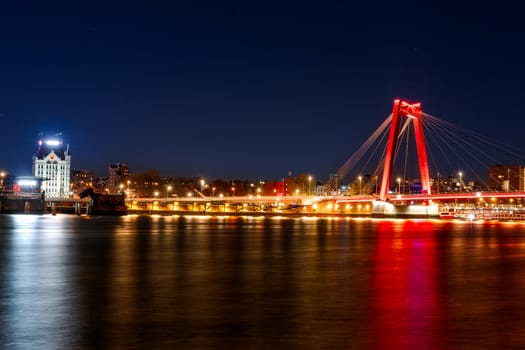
247 91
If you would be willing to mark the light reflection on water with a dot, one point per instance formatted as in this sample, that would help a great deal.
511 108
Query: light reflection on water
36 289
252 282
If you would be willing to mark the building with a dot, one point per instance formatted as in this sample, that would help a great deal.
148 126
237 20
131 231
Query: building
3 175
52 163
507 178
21 185
82 179
118 175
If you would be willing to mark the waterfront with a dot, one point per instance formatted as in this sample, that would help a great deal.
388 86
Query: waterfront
203 282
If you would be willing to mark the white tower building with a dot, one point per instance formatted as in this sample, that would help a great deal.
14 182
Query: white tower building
52 163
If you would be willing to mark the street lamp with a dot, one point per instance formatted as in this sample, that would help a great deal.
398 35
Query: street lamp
439 183
460 181
168 189
508 179
399 185
309 185
156 194
360 181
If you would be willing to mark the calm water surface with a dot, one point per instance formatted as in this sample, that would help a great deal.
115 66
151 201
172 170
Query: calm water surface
141 282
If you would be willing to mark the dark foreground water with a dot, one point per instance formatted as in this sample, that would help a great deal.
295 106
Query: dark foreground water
141 282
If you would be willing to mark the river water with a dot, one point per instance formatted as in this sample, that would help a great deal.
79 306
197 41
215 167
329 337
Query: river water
148 282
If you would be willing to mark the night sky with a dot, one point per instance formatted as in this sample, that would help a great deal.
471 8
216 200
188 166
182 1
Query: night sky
248 89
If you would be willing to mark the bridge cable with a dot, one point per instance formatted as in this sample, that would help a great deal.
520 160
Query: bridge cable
482 152
350 163
467 148
406 159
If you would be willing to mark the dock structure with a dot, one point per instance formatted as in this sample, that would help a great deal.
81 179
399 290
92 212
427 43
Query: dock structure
354 206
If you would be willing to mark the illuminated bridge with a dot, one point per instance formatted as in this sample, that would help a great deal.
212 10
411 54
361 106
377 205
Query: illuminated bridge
430 199
379 193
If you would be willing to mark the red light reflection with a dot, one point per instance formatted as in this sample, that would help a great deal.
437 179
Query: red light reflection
405 310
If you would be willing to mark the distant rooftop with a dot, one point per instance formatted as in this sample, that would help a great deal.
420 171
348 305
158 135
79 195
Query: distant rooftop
55 145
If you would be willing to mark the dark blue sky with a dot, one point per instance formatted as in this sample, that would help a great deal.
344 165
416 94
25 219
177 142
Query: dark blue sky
247 89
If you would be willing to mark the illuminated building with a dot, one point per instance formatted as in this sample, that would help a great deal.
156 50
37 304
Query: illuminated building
507 177
27 185
82 179
22 185
52 163
118 175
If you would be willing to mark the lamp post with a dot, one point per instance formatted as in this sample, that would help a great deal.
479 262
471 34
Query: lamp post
460 181
360 182
309 185
508 179
399 185
156 194
168 190
439 184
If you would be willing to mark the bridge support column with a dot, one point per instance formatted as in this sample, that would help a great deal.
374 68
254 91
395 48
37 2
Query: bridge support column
414 112
383 209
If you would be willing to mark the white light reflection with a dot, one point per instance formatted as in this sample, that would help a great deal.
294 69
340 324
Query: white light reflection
39 298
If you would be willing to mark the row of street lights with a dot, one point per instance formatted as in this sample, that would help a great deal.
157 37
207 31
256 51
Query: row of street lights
213 189
310 178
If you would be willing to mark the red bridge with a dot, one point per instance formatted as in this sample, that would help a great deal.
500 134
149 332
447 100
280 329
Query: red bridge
384 201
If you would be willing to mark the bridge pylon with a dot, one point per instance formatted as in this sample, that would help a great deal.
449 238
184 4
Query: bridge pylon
413 111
